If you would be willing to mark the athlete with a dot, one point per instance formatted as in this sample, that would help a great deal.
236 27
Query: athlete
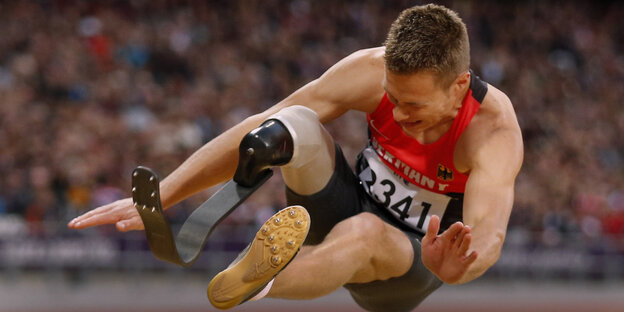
432 192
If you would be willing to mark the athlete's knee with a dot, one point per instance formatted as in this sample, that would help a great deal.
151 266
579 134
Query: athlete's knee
385 250
368 226
306 131
292 137
364 230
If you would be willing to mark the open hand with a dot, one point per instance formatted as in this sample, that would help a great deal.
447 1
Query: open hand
121 213
445 255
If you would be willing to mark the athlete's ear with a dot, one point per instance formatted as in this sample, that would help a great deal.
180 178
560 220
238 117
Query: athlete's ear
461 83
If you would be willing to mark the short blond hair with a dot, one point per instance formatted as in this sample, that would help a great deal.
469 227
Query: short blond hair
429 37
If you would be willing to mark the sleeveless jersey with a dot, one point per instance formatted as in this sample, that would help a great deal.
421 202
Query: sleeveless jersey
414 181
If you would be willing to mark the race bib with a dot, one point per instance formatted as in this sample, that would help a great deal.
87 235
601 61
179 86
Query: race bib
407 202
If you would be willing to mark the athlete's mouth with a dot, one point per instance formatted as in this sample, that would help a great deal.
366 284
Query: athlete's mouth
409 124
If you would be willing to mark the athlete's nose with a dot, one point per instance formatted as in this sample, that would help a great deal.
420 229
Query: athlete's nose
399 114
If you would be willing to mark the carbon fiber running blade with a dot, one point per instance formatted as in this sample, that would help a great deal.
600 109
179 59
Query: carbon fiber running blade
185 248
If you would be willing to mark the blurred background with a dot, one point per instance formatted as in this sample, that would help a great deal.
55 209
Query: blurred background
91 89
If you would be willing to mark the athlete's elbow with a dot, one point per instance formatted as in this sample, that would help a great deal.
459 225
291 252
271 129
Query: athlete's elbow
495 249
485 260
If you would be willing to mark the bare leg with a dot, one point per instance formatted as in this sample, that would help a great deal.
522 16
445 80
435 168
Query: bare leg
360 249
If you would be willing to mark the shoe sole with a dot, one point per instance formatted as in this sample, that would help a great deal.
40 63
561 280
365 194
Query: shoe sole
274 246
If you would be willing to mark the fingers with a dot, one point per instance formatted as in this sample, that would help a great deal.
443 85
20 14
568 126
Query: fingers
432 229
132 224
464 244
93 220
458 239
121 210
87 218
468 260
87 215
451 233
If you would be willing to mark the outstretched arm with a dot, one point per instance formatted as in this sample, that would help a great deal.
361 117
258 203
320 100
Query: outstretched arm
466 250
353 83
213 163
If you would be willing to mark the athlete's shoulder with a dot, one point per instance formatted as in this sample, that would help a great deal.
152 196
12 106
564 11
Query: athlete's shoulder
495 124
356 80
367 62
497 111
373 55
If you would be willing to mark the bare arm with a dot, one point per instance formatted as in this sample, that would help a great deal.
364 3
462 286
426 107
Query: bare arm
489 198
466 250
353 83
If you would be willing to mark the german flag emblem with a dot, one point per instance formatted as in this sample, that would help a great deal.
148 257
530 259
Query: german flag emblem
444 173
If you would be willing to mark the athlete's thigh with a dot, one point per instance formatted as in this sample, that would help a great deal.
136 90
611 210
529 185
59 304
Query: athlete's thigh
386 251
337 201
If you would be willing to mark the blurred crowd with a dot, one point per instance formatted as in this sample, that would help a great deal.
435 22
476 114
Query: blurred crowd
91 89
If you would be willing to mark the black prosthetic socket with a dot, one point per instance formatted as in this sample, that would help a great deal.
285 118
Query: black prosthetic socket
266 146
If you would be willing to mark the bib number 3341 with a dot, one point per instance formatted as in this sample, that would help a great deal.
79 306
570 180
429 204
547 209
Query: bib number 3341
409 203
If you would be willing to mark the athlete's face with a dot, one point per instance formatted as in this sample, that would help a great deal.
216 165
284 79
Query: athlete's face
420 102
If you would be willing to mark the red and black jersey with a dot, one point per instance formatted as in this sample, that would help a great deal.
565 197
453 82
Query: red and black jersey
417 180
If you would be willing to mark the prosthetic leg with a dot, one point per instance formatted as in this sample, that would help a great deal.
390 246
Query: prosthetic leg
289 138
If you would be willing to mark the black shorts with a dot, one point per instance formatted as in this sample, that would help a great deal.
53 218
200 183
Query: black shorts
344 197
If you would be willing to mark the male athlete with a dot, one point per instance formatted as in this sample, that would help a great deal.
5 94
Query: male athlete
432 192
